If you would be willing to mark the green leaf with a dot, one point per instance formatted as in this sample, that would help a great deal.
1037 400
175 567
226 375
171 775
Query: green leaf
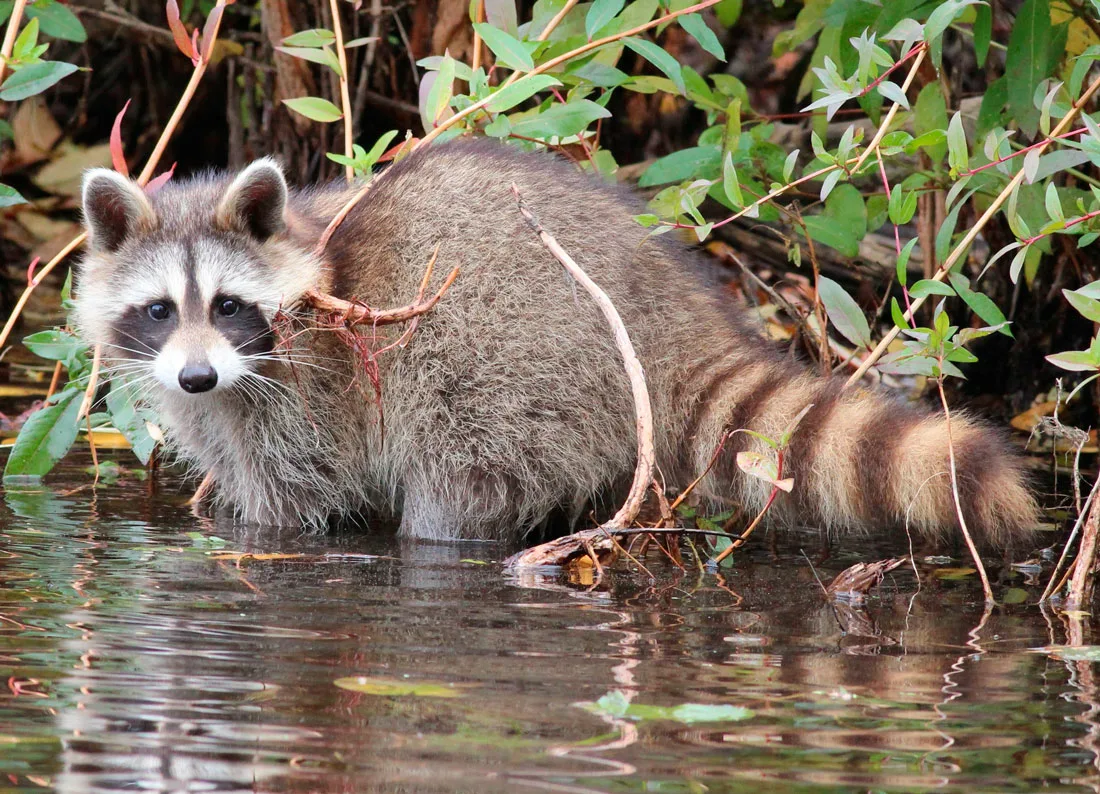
9 196
55 345
958 154
730 184
46 437
57 21
439 95
561 120
323 56
844 222
509 51
728 12
763 468
317 37
1075 361
983 32
130 420
659 58
979 303
379 148
25 42
599 14
927 286
903 262
893 92
701 162
697 27
34 79
1053 203
1089 308
314 108
844 313
1027 60
524 88
930 115
943 16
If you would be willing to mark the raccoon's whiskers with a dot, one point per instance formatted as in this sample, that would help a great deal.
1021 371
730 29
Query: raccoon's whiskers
151 352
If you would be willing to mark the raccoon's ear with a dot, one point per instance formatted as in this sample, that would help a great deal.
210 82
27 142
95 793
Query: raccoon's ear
114 208
255 201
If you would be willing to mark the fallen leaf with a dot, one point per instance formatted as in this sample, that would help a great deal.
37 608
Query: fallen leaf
63 175
36 131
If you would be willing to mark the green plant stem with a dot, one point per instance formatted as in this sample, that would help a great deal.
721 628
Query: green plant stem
971 234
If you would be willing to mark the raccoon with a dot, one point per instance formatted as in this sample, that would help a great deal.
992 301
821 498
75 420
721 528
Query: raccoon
508 404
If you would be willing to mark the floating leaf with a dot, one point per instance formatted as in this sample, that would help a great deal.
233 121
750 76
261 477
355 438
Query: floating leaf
395 687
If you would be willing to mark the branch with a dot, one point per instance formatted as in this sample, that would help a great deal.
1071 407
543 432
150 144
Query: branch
355 313
643 473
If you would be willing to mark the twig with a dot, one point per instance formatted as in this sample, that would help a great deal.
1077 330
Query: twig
10 35
1053 584
352 313
743 538
553 23
479 16
643 473
955 494
972 234
1080 584
345 96
93 378
204 489
872 147
337 219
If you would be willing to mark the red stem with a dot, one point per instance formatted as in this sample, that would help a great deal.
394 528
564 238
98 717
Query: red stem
1025 150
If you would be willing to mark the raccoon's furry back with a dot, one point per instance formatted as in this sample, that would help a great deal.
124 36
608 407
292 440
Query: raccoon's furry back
509 401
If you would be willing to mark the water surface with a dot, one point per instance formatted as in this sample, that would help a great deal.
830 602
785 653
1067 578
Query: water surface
140 652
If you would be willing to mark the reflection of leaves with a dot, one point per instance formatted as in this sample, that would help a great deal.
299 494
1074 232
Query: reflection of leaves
38 504
393 687
1088 653
616 704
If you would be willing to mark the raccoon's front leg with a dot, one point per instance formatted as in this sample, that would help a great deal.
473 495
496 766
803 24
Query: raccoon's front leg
460 505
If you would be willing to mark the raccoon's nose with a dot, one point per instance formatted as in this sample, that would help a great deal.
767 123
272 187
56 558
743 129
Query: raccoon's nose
195 378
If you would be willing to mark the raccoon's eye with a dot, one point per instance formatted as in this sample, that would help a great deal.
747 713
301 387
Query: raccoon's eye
158 311
228 307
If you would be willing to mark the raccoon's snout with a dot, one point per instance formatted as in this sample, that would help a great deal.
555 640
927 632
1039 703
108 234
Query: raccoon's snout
195 378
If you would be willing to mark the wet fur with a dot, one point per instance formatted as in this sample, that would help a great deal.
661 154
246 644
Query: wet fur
510 401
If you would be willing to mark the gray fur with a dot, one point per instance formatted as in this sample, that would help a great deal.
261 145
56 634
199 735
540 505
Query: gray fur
510 401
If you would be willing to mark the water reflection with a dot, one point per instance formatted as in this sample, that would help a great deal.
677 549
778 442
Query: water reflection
137 657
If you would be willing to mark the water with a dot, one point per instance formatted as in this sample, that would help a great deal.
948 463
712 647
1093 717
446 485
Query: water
135 656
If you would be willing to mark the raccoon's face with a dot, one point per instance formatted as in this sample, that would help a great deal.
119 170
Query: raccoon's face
181 287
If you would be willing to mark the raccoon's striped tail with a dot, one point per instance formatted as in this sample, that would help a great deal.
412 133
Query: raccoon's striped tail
862 460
